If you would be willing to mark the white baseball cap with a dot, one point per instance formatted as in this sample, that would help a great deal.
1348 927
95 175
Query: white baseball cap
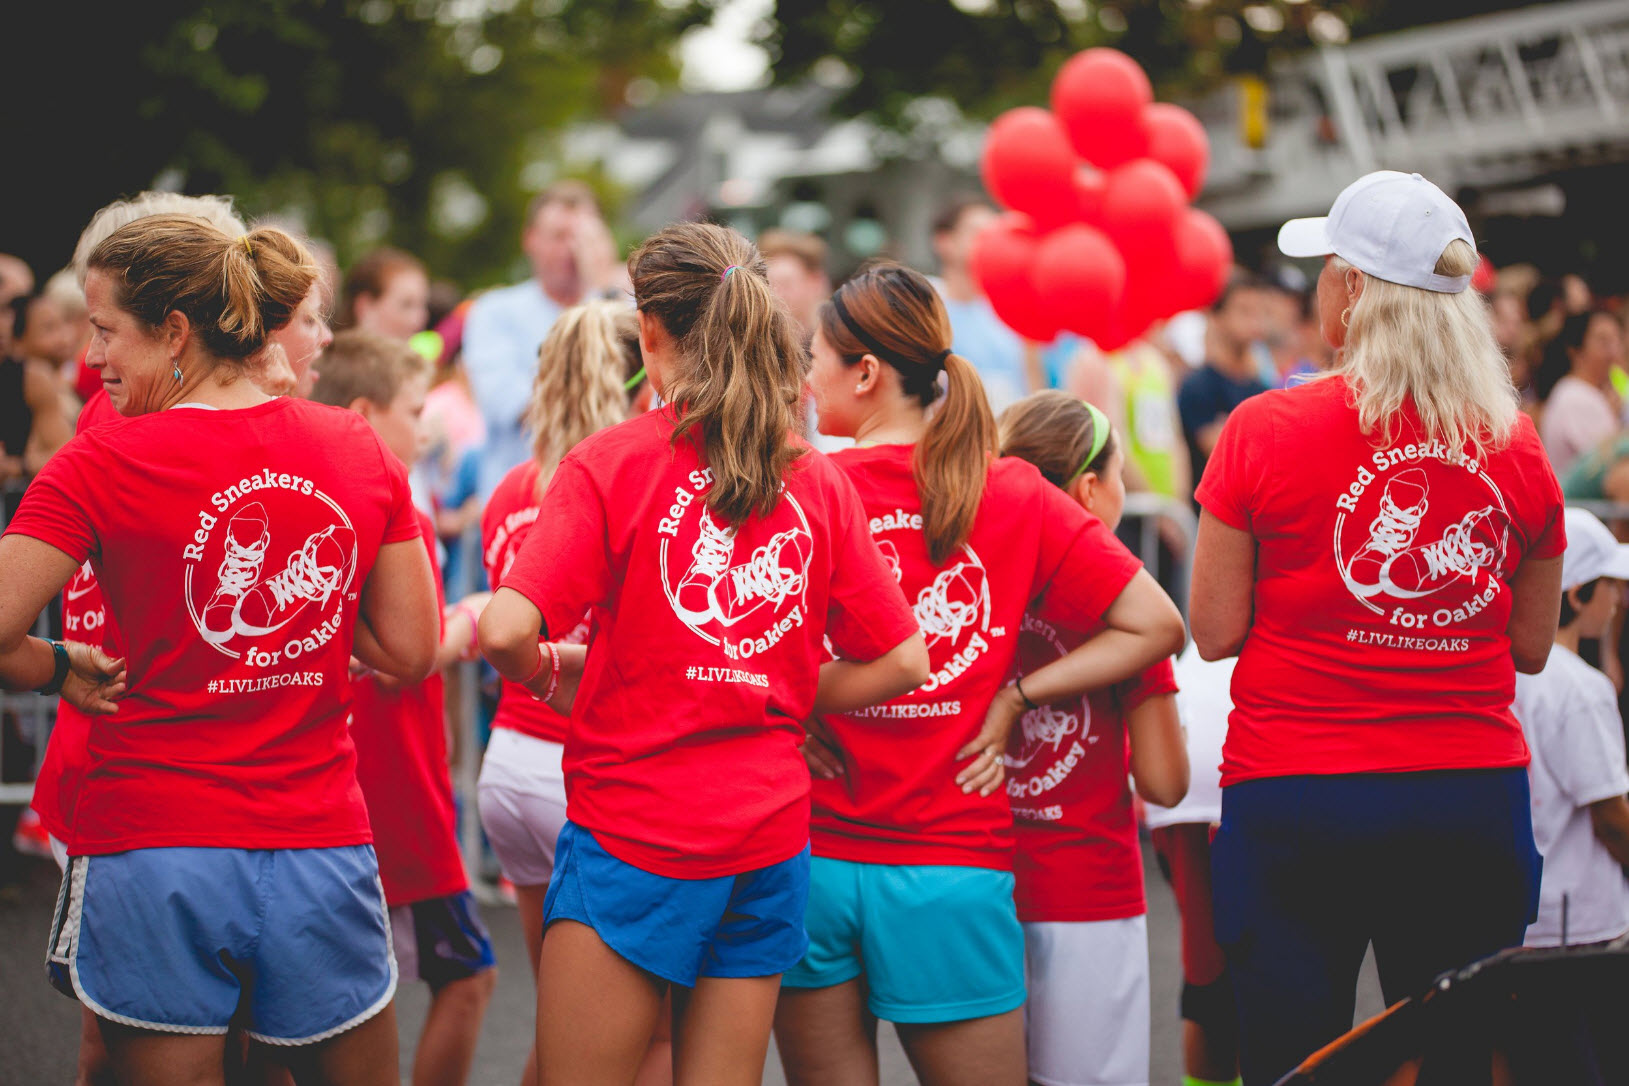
1592 551
1393 226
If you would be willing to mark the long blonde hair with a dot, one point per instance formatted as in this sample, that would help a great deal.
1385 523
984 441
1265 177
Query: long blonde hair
738 384
579 388
1434 349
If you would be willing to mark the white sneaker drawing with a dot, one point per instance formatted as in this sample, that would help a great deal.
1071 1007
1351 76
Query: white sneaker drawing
1402 507
890 554
1475 543
1045 727
247 538
713 590
314 572
951 603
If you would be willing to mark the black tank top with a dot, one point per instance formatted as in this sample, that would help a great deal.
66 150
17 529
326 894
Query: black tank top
16 417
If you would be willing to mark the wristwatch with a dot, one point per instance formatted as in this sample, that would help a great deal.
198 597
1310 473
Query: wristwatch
59 652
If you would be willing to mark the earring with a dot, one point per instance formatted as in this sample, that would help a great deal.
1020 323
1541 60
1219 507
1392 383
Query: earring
177 372
858 389
1346 313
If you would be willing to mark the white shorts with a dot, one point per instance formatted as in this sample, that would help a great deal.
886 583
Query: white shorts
1088 1012
522 799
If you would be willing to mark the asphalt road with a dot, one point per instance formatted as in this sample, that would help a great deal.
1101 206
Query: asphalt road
40 1029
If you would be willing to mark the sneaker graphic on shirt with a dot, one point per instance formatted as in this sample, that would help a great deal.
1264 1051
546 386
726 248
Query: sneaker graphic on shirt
890 554
1403 505
313 574
714 590
952 603
1043 731
1475 543
247 537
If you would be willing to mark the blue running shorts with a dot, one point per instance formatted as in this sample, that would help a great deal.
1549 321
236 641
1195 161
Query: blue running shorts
936 943
747 925
179 939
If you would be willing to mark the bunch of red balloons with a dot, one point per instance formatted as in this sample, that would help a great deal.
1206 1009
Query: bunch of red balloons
1099 238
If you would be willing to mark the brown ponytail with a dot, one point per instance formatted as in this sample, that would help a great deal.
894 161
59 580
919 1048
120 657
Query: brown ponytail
894 313
1055 432
739 383
234 291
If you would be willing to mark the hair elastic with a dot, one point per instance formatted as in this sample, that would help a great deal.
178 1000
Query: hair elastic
248 246
727 272
633 382
1100 438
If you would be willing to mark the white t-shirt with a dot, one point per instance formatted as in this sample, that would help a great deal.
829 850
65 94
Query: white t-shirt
1569 713
1204 700
1577 417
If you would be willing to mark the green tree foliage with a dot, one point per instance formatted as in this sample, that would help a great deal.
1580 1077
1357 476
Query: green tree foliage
412 121
988 55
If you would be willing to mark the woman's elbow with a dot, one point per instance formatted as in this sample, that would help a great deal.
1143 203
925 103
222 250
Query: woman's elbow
503 632
914 665
1170 631
1528 661
419 659
1164 791
1216 640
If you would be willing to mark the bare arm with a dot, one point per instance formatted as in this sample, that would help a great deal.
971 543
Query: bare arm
31 574
1221 595
1610 820
51 430
1144 626
846 685
396 633
1159 755
1535 610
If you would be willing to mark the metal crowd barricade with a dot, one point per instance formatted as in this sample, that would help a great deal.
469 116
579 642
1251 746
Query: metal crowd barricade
465 715
34 714
1144 512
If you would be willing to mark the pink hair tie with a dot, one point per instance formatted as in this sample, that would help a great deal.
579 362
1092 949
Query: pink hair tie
727 272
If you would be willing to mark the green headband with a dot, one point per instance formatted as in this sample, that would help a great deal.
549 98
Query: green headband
1100 438
633 382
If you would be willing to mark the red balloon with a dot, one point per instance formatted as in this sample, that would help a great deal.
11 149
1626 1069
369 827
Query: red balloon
1141 203
1029 166
1090 184
1177 140
1100 95
1002 259
1081 277
1204 255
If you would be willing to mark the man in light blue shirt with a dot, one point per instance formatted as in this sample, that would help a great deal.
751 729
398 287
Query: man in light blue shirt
573 259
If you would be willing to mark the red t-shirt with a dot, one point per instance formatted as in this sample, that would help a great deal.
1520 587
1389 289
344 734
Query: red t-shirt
505 522
84 618
682 757
897 801
231 547
401 764
1382 588
1078 857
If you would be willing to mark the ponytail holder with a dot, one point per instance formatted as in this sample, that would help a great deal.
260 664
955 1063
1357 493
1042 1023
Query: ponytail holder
727 272
633 382
940 358
248 246
1100 438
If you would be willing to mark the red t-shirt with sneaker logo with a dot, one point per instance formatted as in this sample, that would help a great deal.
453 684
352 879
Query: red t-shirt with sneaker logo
682 758
1078 857
505 523
897 801
1383 587
231 547
401 763
84 618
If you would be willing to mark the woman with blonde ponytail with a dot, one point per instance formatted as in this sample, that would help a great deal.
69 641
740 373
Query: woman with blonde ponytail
911 915
715 554
1381 549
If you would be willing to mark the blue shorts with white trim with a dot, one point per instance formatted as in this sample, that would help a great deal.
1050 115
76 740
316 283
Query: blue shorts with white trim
183 940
